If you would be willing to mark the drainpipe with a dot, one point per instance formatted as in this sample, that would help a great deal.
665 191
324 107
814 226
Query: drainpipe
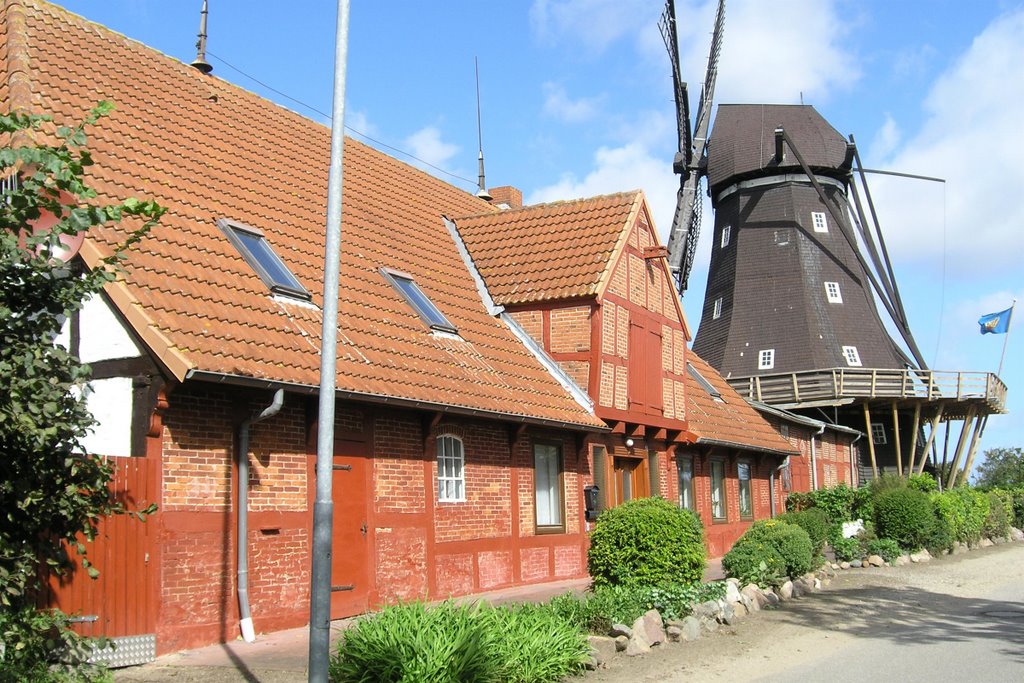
242 545
854 465
814 459
771 486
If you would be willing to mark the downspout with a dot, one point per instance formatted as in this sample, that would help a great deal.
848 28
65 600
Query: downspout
771 486
854 465
242 545
814 459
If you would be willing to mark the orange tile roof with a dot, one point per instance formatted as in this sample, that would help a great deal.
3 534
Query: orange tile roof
207 149
547 252
730 421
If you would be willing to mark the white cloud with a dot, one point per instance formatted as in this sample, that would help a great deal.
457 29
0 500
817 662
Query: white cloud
886 139
971 137
557 104
426 145
358 122
595 24
771 51
617 169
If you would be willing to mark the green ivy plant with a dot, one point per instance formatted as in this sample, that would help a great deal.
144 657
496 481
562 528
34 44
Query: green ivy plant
51 492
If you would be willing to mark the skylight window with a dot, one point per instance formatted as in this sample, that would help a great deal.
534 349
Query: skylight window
726 234
766 359
832 293
717 312
704 383
820 224
851 356
260 256
419 301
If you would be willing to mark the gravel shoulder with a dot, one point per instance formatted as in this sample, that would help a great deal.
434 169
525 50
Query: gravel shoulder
864 620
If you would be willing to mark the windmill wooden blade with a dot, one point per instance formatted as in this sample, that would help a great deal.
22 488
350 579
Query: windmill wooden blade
691 160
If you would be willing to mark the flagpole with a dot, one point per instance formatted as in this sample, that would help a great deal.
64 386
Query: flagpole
1009 322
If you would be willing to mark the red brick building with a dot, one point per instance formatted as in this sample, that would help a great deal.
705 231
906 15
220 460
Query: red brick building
588 280
448 423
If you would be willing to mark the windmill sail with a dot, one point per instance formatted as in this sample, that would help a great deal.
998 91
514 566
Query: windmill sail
691 159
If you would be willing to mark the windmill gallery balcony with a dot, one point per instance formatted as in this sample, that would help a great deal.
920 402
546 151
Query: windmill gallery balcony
959 392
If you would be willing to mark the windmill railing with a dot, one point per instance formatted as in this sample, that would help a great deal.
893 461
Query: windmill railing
843 385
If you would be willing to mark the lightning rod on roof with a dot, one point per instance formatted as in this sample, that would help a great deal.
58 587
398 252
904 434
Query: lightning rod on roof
482 192
200 62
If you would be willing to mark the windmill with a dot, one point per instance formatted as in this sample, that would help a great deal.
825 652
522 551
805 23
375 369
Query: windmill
691 160
798 275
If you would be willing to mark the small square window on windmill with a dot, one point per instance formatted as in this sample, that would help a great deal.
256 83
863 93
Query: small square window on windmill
261 257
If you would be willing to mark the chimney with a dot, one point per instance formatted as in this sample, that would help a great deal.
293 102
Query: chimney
507 197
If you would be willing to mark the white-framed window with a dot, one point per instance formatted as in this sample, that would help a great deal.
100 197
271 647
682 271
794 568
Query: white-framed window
716 313
878 433
726 234
851 356
766 359
718 490
547 480
451 470
686 483
832 293
746 496
818 221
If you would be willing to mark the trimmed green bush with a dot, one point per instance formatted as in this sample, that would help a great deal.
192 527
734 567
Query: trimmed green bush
1000 513
836 502
767 539
812 520
450 643
886 548
924 482
754 563
964 510
647 542
904 515
846 549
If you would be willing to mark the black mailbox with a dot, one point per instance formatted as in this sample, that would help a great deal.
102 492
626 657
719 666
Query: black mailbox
590 501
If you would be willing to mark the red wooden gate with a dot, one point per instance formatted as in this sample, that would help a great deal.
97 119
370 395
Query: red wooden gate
123 601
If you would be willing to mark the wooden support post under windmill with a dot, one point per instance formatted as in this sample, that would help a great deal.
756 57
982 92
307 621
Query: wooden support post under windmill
961 442
913 439
931 438
871 441
979 429
896 439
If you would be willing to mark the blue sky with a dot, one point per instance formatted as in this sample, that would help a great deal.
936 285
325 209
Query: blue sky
577 101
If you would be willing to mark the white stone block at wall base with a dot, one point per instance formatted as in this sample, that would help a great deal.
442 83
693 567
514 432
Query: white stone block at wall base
851 529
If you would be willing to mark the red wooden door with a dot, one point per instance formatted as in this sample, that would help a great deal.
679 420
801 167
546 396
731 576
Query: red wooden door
123 601
350 556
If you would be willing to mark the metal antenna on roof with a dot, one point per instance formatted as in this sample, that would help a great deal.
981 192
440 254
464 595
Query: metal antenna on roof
482 192
200 60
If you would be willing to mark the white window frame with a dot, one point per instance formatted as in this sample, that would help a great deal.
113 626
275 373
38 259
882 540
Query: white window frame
548 488
719 501
766 359
878 434
726 236
819 221
746 490
685 471
451 469
716 312
852 356
833 293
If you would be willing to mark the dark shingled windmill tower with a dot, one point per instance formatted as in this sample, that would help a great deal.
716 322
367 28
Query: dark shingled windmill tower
786 291
799 271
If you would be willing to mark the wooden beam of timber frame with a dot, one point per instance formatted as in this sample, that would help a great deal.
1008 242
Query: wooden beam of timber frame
961 442
871 441
913 439
979 429
931 437
896 438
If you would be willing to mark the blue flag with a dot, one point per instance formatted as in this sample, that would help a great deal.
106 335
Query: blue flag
995 323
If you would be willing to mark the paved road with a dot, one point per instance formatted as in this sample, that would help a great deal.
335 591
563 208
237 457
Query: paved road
955 618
